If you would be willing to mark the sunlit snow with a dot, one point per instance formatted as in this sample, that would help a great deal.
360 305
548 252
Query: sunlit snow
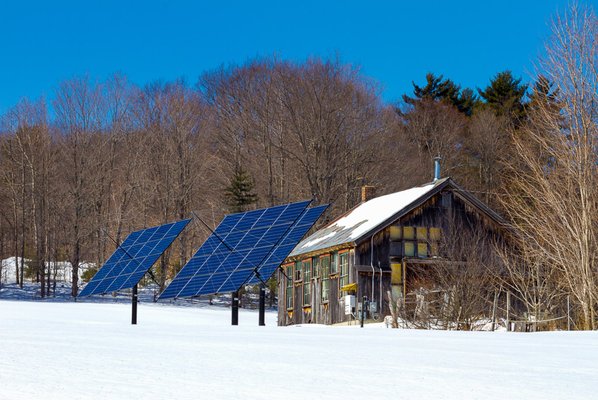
83 350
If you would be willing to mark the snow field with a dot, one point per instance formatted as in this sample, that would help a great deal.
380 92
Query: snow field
90 351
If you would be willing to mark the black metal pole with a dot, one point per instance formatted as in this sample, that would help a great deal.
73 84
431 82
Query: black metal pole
235 309
363 305
262 319
134 306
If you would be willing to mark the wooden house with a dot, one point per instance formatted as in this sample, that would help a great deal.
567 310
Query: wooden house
373 250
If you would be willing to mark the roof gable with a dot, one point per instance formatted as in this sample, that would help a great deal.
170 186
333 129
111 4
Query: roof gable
366 217
379 212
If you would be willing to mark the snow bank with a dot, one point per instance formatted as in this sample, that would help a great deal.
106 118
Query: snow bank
63 269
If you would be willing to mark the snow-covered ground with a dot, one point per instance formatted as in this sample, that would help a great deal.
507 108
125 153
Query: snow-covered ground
89 350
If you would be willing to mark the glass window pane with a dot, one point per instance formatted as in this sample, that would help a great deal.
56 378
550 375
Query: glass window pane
344 267
395 232
325 265
334 264
396 273
408 232
422 233
289 292
409 249
298 266
433 248
422 249
434 233
307 282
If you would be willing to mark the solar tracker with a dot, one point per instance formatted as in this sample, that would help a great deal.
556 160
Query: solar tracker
288 243
133 258
238 246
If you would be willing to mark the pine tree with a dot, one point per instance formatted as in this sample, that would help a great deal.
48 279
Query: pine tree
543 96
239 195
505 96
445 90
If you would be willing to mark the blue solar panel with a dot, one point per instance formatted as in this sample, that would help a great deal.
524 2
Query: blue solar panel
239 245
286 246
135 256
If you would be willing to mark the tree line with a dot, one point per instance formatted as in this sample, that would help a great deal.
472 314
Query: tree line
98 159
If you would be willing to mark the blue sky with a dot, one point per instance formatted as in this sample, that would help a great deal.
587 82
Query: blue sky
44 43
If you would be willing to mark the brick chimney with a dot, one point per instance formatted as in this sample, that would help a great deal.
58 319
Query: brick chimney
367 193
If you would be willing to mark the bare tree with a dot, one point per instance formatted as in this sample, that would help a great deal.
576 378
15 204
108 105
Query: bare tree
553 197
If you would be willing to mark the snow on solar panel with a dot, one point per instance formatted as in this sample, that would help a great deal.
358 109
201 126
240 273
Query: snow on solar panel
133 258
238 246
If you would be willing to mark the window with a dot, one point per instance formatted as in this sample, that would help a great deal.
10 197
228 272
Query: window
306 282
422 249
298 267
334 264
396 268
408 232
325 264
289 291
422 233
316 267
434 241
434 249
395 232
409 249
344 267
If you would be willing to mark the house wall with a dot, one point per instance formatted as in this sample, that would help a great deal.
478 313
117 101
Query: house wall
317 310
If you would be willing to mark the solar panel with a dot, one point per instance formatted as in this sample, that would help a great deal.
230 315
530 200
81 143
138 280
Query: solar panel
232 253
286 246
133 258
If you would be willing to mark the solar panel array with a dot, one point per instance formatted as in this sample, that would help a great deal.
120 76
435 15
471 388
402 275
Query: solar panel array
242 244
133 258
293 236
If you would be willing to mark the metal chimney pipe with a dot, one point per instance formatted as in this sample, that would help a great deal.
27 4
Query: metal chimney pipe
436 168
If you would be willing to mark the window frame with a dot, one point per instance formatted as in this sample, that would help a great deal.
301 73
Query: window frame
289 286
325 291
307 273
343 277
334 263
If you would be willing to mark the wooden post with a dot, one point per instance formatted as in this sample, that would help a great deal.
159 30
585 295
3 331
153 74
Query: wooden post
508 309
494 310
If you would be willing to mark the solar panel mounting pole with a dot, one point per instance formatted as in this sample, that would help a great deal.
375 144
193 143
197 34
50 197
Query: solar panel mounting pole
134 297
134 306
235 309
262 317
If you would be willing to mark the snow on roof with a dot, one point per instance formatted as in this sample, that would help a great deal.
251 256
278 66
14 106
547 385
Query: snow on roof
362 219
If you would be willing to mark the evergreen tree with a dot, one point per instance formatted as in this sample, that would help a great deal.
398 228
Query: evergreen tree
239 195
445 90
505 96
543 96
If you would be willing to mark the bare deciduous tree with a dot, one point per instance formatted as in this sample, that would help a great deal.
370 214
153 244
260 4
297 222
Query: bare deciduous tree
553 201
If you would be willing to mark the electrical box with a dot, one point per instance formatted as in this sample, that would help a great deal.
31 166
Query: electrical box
349 304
